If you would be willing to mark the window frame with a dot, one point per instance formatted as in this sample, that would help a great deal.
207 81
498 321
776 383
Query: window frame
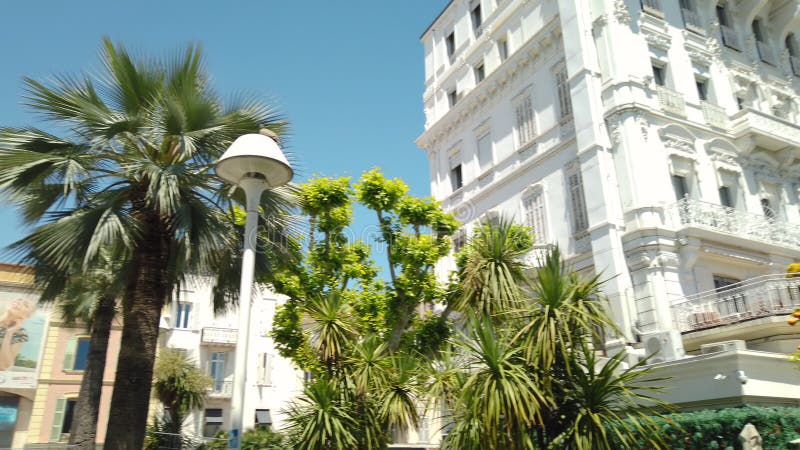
577 199
525 129
534 210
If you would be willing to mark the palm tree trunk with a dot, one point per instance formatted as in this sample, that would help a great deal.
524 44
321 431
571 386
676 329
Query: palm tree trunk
147 290
84 427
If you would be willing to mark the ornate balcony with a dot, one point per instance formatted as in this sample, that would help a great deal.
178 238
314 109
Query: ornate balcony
769 131
220 389
694 213
219 336
671 101
757 297
714 115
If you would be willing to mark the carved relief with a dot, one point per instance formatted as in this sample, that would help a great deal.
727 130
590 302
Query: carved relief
658 40
621 13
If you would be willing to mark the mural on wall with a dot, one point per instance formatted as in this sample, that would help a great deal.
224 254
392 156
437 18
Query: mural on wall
22 327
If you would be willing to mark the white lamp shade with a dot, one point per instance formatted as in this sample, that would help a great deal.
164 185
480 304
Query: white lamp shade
254 154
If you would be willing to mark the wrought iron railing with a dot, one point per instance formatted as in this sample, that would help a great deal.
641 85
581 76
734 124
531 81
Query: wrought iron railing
671 101
762 296
220 389
690 212
714 115
222 336
729 37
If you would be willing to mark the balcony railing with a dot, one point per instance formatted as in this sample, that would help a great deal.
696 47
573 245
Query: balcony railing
714 115
219 336
763 296
765 53
220 389
653 6
729 37
671 101
794 61
691 19
694 213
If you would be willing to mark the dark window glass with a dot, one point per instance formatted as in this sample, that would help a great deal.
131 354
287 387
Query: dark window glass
679 184
452 98
81 354
702 89
480 73
477 17
69 413
725 196
722 16
502 47
659 77
456 180
450 43
757 31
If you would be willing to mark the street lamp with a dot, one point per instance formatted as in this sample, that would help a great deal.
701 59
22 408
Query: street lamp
254 162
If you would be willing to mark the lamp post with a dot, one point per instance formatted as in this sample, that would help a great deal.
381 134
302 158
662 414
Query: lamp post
254 162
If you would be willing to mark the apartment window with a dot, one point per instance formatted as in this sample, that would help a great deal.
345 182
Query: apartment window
263 418
459 240
502 48
562 86
456 178
722 283
533 208
213 422
452 98
791 47
485 157
690 17
757 30
725 197
680 186
579 215
702 88
766 207
216 370
526 130
264 369
76 353
722 15
477 17
450 44
62 419
184 312
740 102
659 75
480 72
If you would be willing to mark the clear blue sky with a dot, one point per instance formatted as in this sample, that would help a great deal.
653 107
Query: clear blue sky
347 74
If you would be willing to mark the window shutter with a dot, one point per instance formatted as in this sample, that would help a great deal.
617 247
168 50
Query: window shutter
58 420
69 353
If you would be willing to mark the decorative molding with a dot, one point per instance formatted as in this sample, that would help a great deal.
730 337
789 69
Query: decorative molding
621 13
658 41
725 161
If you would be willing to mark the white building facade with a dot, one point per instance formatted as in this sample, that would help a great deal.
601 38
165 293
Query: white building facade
655 142
210 339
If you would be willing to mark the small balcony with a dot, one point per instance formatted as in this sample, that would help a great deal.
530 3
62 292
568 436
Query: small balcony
770 132
722 219
758 297
765 53
219 336
729 37
220 389
794 61
714 115
671 101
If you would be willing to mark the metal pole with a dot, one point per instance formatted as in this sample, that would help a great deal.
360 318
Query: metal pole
253 188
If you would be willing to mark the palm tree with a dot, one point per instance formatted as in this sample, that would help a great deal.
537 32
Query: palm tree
179 385
88 296
134 170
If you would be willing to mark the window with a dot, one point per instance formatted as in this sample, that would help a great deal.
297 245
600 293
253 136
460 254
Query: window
485 157
263 418
533 208
740 102
659 75
450 44
452 98
525 125
479 72
690 17
725 197
264 369
459 240
766 207
702 89
757 30
477 17
456 178
579 215
722 284
184 312
791 47
76 353
216 370
502 48
680 186
564 100
722 16
213 422
62 419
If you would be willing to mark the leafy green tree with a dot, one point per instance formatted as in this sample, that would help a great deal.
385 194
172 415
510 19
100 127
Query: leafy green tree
133 169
